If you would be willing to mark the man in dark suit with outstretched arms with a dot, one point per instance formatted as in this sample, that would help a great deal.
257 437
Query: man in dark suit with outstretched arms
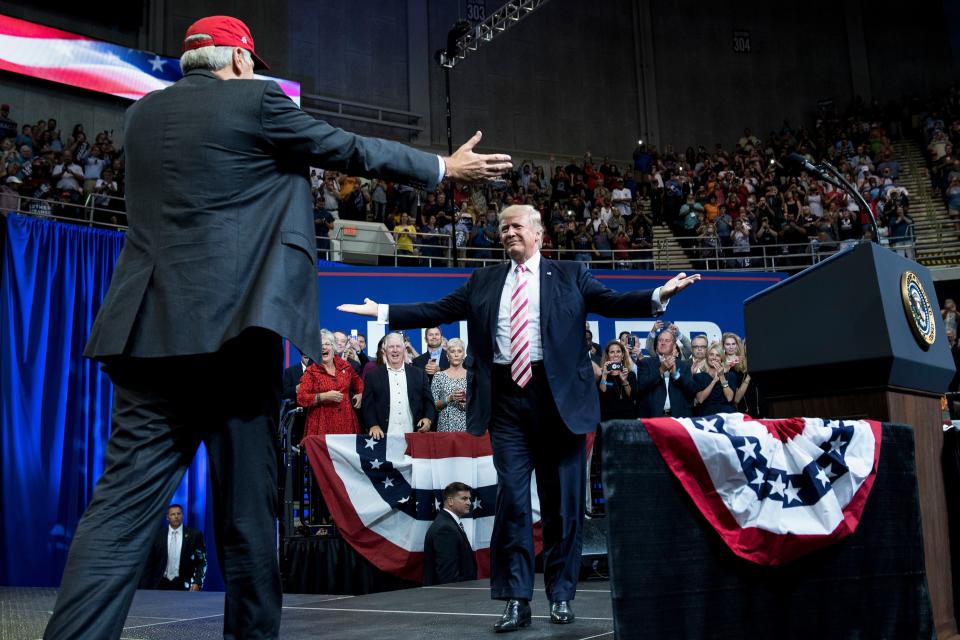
532 386
447 554
218 263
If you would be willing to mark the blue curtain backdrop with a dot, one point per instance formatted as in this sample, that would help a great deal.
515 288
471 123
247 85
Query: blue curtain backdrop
55 404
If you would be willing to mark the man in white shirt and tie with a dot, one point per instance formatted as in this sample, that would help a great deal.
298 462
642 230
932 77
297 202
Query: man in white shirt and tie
531 385
178 558
664 381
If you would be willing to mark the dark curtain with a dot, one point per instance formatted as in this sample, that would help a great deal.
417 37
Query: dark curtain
331 566
54 403
673 577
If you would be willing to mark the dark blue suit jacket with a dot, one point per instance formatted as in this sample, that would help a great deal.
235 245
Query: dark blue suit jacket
653 393
568 292
447 555
291 378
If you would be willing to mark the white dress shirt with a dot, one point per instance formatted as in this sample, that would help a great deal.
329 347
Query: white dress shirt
531 274
666 383
174 545
401 419
455 517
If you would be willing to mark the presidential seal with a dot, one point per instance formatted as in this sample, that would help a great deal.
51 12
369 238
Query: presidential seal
916 304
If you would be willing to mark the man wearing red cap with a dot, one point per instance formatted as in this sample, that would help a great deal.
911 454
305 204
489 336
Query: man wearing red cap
218 263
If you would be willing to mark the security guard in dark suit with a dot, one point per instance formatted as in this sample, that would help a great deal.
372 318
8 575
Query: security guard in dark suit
447 554
191 556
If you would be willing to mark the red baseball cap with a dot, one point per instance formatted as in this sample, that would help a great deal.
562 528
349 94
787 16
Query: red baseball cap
224 31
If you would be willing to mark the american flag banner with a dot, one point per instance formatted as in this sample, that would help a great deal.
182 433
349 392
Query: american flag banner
60 56
384 494
774 490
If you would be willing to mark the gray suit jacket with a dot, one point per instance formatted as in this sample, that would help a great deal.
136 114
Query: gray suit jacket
221 229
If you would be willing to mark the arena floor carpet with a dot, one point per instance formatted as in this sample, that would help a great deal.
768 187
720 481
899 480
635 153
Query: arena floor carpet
462 611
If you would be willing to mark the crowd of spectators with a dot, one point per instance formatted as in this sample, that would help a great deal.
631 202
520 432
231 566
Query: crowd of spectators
661 373
941 134
47 173
739 206
618 368
668 373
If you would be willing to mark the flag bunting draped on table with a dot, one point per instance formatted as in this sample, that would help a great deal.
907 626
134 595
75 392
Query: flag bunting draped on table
383 494
774 490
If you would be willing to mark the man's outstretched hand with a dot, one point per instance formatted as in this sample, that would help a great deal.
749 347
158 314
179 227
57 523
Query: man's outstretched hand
466 166
369 308
675 285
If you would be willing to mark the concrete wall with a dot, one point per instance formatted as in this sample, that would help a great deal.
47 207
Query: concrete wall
909 53
707 93
114 22
30 100
340 48
565 80
562 80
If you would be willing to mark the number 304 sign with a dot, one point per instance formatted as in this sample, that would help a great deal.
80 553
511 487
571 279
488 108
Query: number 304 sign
741 42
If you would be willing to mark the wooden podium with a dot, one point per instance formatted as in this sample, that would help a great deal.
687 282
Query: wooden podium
858 336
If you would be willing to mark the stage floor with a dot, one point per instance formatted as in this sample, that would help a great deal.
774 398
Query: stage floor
462 611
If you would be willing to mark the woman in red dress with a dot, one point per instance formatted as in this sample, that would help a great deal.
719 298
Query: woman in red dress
326 390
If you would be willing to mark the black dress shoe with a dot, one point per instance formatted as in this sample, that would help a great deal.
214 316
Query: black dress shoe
561 613
515 616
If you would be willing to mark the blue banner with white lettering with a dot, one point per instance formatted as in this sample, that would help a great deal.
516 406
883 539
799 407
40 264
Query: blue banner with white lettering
712 306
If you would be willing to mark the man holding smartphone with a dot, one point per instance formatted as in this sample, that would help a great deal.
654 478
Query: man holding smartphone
435 357
682 341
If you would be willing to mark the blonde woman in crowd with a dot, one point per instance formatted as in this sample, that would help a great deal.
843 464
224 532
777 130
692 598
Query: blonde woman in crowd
735 359
715 384
449 389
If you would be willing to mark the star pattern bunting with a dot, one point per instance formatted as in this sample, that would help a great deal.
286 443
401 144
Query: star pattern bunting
384 494
395 490
769 482
773 489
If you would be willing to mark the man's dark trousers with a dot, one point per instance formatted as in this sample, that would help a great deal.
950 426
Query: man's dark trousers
163 408
527 434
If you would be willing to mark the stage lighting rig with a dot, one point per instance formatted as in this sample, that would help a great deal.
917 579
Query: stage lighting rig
464 38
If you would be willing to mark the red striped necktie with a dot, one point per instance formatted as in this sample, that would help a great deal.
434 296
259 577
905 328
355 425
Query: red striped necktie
519 333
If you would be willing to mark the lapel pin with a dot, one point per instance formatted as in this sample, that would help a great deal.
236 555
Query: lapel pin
549 273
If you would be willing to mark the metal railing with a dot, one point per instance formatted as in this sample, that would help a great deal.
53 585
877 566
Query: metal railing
88 213
435 249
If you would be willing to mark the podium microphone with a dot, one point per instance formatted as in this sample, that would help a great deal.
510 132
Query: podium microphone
801 162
